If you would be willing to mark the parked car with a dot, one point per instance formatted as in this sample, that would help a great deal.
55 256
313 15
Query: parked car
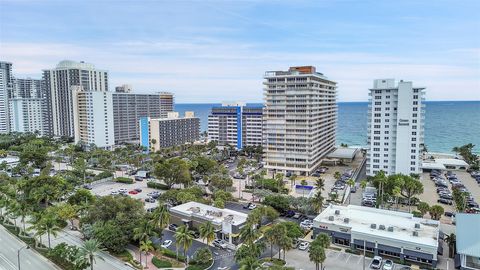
445 201
133 192
297 215
86 186
449 214
166 243
150 200
114 193
303 245
172 227
376 262
388 265
220 243
252 206
290 213
138 190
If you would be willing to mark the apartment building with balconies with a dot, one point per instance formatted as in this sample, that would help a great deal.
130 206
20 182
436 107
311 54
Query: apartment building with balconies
299 119
396 116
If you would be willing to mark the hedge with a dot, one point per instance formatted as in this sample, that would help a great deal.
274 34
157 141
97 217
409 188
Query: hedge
124 180
156 185
172 254
102 175
160 263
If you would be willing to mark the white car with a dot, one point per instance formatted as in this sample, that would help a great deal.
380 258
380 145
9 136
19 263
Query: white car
388 265
376 262
303 246
166 243
114 193
252 206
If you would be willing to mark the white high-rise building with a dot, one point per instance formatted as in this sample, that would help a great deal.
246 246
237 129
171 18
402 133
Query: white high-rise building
27 115
6 88
300 119
93 117
395 127
59 82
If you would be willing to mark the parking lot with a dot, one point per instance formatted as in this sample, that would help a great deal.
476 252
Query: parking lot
104 189
336 260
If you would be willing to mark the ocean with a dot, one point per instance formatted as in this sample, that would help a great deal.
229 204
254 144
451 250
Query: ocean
447 123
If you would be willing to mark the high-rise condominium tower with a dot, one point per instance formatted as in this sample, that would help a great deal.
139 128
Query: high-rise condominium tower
300 119
59 82
6 88
395 127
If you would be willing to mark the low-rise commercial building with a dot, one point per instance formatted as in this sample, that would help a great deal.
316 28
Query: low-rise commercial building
227 222
157 133
382 232
468 241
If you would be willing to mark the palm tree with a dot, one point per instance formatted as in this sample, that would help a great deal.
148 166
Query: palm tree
363 184
271 236
320 183
50 225
161 217
23 210
183 237
37 227
351 183
337 175
323 240
249 263
284 243
293 179
146 246
249 234
207 232
397 192
316 254
143 232
381 179
317 201
451 240
89 251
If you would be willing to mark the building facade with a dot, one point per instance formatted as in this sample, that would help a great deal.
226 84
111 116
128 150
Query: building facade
129 108
300 119
93 117
381 232
6 88
468 241
27 115
59 82
236 124
157 133
395 127
124 88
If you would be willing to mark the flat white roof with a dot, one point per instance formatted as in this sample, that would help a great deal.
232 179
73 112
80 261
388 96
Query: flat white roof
432 165
451 161
214 214
9 160
361 218
343 152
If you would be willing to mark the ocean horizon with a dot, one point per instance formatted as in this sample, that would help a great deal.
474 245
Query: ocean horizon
447 123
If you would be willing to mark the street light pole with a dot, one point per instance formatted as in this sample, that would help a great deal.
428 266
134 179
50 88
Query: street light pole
364 244
18 254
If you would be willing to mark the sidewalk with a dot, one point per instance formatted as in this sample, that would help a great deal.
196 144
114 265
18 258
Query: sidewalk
136 255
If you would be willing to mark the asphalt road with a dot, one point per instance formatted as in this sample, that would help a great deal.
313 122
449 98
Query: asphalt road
29 259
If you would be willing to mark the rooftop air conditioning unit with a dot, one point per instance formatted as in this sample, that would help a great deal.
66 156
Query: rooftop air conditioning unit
381 227
346 220
337 212
330 218
390 229
417 225
373 226
415 233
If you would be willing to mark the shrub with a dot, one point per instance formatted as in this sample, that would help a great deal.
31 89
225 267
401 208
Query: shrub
417 214
160 263
202 256
156 185
172 254
124 180
102 175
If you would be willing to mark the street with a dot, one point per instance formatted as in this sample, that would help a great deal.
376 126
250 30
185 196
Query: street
29 259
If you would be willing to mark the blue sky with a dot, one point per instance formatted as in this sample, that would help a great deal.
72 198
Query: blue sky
212 51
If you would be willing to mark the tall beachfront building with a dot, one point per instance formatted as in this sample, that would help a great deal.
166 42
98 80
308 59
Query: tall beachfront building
236 124
93 117
300 119
128 108
6 88
59 82
395 127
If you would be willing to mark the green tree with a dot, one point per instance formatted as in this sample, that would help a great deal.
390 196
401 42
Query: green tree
271 237
146 246
183 237
207 232
173 171
323 240
363 184
143 232
67 211
451 240
80 166
249 234
316 254
111 234
249 263
351 183
423 207
337 175
460 200
410 188
90 250
293 179
317 201
436 212
49 223
278 202
161 217
202 256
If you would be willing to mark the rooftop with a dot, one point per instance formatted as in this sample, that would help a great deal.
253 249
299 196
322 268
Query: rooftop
403 225
343 153
468 238
214 214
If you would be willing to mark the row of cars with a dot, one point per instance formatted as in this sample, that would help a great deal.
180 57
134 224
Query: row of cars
341 183
443 191
476 176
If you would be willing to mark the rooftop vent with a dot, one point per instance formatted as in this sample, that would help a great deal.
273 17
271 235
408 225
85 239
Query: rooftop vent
337 212
415 233
381 227
417 225
330 218
373 226
390 229
346 220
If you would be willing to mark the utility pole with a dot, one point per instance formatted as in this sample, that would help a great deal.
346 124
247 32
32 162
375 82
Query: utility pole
364 247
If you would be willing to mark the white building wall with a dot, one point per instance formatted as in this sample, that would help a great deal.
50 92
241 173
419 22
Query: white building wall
26 115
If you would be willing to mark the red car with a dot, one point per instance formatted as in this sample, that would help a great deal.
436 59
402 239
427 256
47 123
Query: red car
133 192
